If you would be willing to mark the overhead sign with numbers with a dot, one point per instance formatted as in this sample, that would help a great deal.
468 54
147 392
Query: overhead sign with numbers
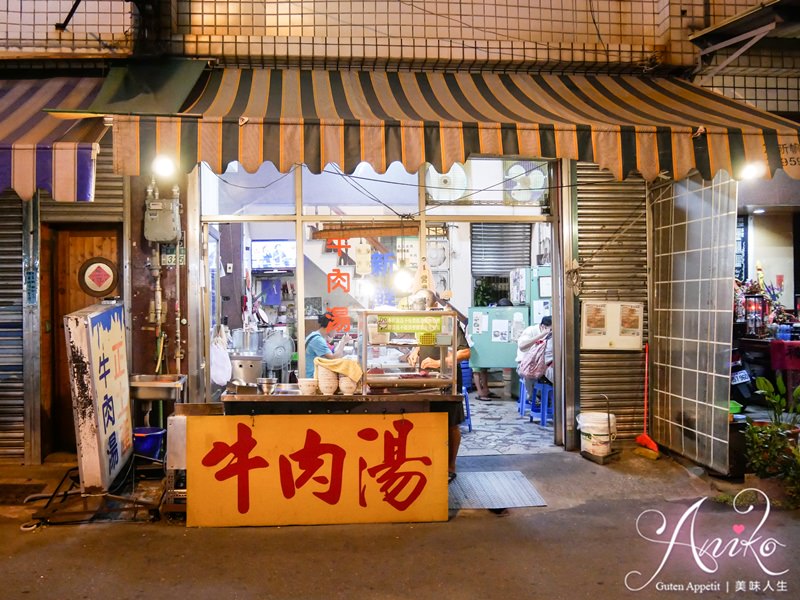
98 369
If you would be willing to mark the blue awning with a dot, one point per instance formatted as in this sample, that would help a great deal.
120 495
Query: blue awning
39 151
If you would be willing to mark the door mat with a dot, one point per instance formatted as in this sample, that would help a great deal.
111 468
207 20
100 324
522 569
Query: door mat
495 489
14 494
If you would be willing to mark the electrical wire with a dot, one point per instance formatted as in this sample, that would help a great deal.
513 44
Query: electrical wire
597 29
362 190
221 177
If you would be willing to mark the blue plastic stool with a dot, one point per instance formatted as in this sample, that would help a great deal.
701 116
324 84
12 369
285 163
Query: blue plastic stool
466 375
547 397
523 397
467 411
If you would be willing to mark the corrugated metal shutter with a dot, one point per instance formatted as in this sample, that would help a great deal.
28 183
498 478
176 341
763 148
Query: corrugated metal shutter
612 249
497 248
109 195
12 398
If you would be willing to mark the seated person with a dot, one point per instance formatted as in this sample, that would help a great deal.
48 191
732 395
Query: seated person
318 343
530 336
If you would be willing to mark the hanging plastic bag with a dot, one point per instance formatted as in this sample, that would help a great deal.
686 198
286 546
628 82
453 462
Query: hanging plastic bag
221 367
533 364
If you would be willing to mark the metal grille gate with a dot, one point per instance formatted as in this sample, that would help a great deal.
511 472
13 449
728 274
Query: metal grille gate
12 397
612 251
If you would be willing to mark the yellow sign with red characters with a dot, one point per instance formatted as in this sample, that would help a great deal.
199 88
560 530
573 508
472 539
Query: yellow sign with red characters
315 469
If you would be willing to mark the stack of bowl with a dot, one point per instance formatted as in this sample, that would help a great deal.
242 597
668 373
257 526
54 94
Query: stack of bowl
347 385
307 385
328 380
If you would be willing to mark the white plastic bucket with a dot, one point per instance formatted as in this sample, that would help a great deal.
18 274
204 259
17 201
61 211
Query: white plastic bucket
595 435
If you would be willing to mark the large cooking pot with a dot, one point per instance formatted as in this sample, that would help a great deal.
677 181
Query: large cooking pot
247 341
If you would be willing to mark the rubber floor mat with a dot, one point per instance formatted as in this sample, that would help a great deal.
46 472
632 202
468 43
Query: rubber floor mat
494 489
14 494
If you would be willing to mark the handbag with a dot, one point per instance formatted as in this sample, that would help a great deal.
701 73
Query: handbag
532 365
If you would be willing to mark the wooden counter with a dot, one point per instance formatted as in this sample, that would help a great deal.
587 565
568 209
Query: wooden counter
289 404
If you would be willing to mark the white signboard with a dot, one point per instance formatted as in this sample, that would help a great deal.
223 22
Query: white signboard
611 325
100 394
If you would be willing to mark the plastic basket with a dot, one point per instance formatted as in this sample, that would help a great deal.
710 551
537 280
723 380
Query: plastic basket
148 441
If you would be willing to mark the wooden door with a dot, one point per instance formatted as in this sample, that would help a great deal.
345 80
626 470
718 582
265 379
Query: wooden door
68 250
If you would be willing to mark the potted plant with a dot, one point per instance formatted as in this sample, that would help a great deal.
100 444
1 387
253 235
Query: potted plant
766 448
791 477
484 293
775 397
770 447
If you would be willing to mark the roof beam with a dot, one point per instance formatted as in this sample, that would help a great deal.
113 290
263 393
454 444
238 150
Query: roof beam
753 38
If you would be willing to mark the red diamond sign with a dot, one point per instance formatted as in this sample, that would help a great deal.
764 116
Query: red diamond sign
99 276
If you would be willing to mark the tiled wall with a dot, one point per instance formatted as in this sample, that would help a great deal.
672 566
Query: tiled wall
775 94
435 33
500 34
448 35
98 27
692 322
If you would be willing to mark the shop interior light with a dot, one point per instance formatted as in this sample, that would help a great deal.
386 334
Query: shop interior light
163 166
403 279
365 289
753 170
758 211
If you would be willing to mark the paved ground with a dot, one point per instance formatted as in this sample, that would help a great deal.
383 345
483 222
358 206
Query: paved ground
583 544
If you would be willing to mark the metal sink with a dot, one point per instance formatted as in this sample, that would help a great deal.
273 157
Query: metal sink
157 387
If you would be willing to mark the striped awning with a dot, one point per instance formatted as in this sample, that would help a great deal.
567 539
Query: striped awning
41 152
623 123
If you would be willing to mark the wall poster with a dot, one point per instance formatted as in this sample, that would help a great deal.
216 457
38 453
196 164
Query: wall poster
611 325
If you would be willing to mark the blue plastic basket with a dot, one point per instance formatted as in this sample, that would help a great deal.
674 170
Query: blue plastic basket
148 441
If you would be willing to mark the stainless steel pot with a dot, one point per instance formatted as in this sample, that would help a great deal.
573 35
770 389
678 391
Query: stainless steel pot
247 341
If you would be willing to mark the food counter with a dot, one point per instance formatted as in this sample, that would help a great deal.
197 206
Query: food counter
378 455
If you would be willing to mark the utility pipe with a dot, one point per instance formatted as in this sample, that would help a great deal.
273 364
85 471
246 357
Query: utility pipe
178 349
155 271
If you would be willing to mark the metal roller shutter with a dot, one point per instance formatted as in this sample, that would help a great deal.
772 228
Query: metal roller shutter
12 398
497 248
109 194
612 249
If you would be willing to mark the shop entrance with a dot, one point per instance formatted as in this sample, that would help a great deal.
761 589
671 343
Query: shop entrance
79 267
298 245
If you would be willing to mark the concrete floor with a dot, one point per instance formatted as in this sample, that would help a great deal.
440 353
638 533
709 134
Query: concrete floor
581 545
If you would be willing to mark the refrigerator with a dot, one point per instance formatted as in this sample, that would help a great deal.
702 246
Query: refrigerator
532 287
493 333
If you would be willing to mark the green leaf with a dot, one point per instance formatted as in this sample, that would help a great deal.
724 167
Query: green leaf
765 385
779 383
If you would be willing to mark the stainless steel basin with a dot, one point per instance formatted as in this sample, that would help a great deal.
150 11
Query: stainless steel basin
157 387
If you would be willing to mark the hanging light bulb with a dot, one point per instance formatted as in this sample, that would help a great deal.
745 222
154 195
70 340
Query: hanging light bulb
403 279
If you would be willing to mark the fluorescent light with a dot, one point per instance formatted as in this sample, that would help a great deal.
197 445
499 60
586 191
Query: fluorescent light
758 211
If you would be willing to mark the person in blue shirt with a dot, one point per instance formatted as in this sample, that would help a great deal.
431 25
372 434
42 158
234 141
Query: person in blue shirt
317 344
